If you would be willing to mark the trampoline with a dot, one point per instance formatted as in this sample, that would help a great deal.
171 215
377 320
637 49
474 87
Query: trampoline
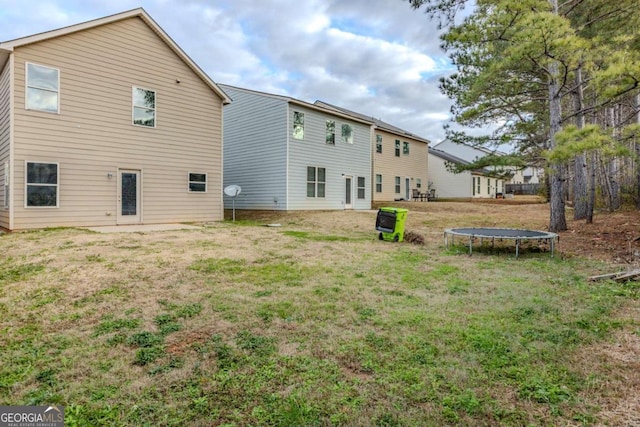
500 233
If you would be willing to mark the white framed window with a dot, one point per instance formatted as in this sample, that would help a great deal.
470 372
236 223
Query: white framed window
361 187
144 107
316 181
197 182
397 185
378 183
42 88
298 125
347 134
378 143
418 183
405 147
331 132
397 148
41 186
6 185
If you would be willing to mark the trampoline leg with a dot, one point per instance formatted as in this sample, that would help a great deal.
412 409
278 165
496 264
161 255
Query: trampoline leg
517 247
470 244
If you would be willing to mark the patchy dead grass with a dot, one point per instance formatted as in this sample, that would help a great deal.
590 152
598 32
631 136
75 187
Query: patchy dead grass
317 322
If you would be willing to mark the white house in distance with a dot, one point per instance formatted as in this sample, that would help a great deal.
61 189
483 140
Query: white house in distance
528 175
468 184
107 122
288 154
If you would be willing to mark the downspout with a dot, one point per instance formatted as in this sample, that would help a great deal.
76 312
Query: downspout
221 191
286 175
372 177
12 181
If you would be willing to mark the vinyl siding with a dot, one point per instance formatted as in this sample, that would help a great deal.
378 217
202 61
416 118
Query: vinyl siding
449 185
338 160
255 150
5 132
93 136
489 187
413 165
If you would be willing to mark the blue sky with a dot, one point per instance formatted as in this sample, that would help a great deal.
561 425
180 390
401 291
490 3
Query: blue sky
377 57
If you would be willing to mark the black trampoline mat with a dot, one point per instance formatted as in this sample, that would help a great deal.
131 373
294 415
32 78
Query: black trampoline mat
502 233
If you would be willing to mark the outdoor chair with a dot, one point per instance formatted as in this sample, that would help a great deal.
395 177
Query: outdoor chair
417 195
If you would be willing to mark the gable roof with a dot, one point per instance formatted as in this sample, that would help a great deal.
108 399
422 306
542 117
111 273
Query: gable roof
290 100
6 48
446 156
453 159
377 122
479 150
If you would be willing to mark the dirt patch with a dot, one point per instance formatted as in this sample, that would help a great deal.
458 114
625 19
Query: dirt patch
612 237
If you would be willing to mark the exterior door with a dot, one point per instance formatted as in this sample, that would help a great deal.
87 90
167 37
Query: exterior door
129 200
348 191
407 189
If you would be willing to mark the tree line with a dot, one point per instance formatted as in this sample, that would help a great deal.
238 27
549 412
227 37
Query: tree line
559 81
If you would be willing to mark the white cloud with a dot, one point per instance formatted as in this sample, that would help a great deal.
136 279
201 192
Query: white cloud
378 57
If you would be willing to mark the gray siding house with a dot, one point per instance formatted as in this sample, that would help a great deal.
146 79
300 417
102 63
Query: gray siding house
399 159
288 154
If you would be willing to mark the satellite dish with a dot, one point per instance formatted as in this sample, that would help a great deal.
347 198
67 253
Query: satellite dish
232 191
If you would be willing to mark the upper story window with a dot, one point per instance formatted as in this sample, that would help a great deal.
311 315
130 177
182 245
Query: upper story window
331 132
42 185
43 85
378 143
347 134
397 148
197 182
298 125
144 107
405 147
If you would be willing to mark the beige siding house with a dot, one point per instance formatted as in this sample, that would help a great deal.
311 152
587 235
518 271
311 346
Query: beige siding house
400 164
107 122
399 160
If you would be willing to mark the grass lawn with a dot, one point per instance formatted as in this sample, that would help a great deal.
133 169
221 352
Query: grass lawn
313 323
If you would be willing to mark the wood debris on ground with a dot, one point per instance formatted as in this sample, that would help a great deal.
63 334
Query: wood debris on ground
622 276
